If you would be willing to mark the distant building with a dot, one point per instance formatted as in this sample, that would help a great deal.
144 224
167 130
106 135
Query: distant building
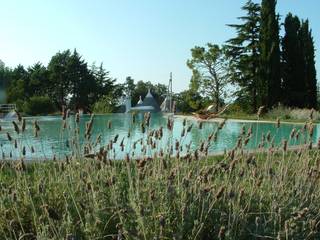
149 104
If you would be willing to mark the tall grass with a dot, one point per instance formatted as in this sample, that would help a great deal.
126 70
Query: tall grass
164 194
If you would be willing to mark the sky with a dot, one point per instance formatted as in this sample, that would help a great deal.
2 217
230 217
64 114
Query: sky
144 39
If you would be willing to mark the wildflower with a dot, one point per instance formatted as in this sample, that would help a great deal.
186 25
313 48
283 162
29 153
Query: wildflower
177 144
24 151
23 127
16 128
170 124
147 119
311 129
221 124
196 154
249 132
260 111
311 114
278 123
143 129
36 126
133 118
18 115
116 138
183 132
64 113
220 192
285 145
189 128
9 137
77 117
184 122
222 232
162 221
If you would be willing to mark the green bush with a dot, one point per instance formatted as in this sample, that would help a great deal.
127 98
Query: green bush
235 109
106 104
286 113
38 105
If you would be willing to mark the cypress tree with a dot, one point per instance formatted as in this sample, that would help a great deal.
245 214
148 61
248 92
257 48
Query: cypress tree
243 51
309 73
299 73
270 54
294 87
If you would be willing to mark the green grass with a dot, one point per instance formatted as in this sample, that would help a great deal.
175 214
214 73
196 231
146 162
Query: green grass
231 197
284 114
238 195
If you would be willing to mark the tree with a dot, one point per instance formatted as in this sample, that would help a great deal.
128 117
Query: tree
188 101
299 73
105 85
18 86
310 75
38 75
5 77
59 82
243 51
294 87
82 83
270 54
71 83
129 85
210 71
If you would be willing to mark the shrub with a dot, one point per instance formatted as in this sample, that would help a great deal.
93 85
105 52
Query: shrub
106 104
234 109
300 114
38 105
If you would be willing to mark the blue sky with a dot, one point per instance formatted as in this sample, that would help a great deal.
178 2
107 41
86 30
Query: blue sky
145 39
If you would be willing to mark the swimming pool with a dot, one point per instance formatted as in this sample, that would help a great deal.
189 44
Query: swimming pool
125 133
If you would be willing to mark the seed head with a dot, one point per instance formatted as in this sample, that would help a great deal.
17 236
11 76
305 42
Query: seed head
278 122
16 128
285 145
260 111
23 127
9 137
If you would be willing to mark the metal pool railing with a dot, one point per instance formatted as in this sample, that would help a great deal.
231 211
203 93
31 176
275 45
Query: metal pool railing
6 108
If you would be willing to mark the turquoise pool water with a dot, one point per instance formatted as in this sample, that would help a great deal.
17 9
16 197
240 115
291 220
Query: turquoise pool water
54 140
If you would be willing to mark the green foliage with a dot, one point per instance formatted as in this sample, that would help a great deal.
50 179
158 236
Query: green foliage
243 52
270 54
294 88
210 72
106 104
38 105
67 80
310 75
299 75
188 101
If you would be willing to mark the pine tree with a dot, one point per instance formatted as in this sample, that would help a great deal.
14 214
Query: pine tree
243 51
270 54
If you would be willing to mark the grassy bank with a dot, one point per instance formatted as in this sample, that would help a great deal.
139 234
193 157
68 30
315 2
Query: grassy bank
282 113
